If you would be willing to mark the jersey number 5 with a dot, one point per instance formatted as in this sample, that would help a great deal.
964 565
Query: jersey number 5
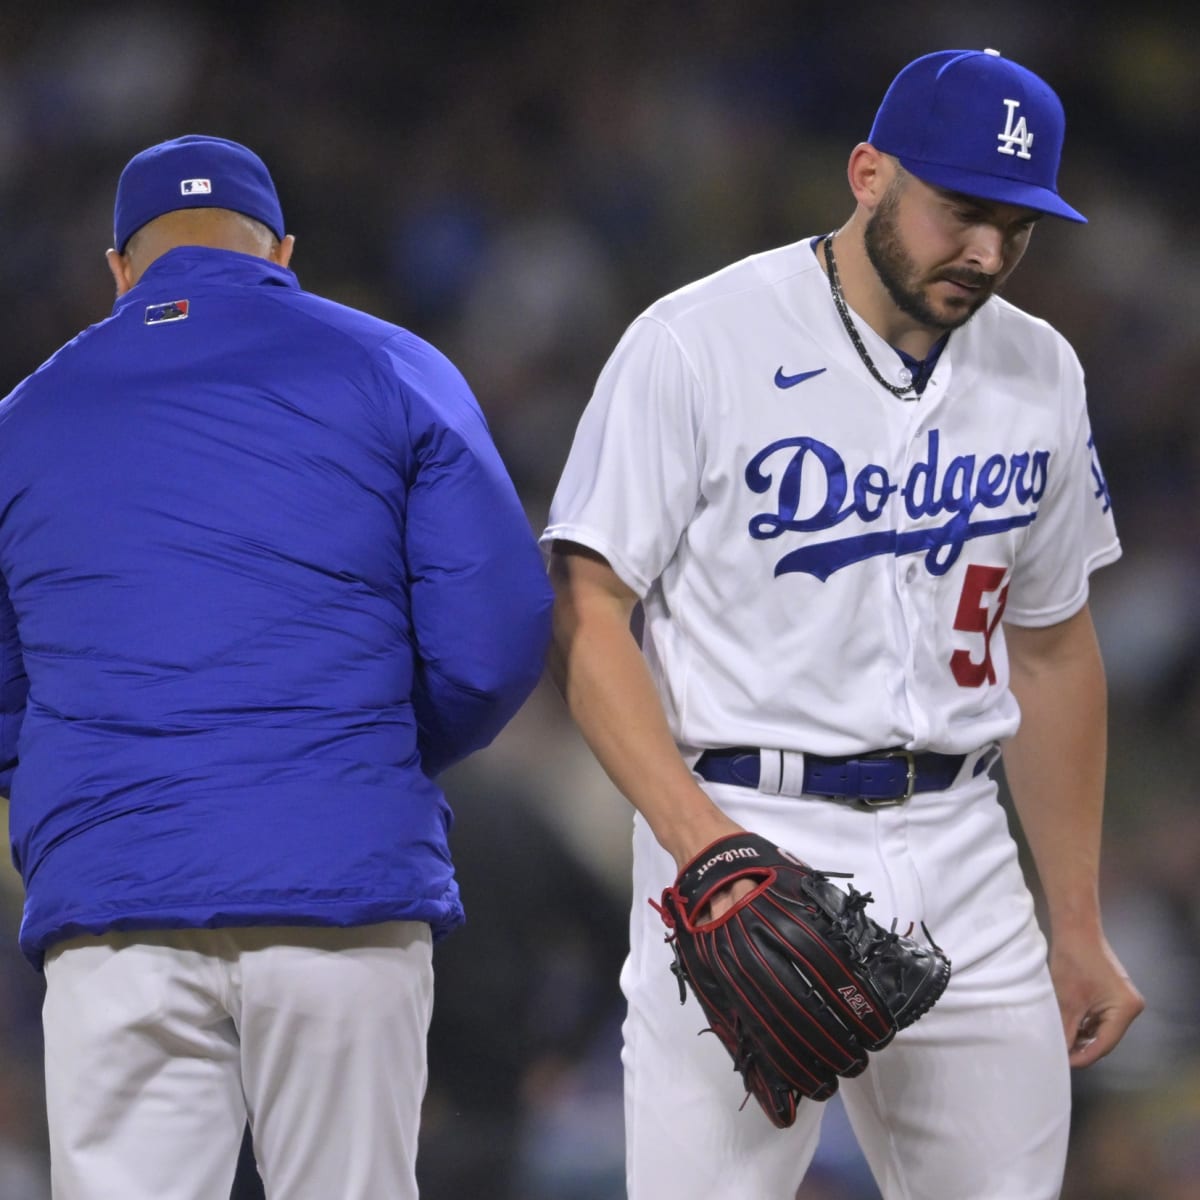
973 617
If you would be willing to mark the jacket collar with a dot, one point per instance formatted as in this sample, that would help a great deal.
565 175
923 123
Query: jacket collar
198 265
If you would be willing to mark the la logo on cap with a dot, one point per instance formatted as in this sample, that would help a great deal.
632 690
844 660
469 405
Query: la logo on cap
1015 135
197 187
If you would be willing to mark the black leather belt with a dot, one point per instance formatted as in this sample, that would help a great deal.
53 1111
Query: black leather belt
876 780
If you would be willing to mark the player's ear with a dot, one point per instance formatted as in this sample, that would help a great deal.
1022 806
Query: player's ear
122 273
281 255
869 172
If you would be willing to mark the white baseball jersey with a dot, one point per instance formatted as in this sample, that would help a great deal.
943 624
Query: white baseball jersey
824 566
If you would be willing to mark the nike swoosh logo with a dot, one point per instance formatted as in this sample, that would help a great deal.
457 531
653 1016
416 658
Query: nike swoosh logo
787 381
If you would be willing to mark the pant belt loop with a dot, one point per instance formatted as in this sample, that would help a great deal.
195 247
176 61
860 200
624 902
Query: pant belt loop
978 762
770 772
791 782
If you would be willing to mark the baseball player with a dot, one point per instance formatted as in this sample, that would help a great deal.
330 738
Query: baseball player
262 578
856 494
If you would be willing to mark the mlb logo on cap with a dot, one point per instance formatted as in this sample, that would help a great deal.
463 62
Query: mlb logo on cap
195 187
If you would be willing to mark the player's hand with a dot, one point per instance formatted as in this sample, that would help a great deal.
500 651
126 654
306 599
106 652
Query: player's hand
705 825
1097 1000
726 898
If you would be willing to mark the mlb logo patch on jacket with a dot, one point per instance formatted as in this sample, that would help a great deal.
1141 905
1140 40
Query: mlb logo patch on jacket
172 310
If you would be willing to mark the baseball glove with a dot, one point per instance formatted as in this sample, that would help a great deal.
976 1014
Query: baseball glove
795 979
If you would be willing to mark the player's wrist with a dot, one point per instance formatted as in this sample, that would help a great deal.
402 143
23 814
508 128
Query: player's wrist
686 835
1075 917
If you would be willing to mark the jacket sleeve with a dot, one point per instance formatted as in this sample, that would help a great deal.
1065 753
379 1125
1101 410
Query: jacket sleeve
479 592
14 687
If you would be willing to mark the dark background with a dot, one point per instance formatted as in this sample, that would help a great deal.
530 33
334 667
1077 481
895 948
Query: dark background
515 182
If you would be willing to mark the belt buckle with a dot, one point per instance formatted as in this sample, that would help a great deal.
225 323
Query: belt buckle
910 760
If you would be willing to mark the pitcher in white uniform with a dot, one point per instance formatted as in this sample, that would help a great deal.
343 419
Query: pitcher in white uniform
856 494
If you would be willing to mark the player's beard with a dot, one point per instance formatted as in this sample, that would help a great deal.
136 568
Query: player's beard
900 275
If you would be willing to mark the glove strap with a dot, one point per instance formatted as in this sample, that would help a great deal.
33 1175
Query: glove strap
736 856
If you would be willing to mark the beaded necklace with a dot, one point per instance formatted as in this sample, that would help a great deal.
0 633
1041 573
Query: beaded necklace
903 392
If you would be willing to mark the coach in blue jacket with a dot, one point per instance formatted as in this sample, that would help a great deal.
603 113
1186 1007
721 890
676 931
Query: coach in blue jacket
262 577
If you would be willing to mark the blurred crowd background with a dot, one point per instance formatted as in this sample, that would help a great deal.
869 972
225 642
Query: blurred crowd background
515 182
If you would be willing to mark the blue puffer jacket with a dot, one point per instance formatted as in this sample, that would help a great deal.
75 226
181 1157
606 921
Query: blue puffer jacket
262 577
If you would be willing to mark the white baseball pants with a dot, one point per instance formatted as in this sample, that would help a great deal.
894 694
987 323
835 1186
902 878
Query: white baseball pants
160 1044
970 1103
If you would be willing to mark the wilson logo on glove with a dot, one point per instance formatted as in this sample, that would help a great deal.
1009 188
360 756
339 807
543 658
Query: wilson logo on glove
726 856
796 981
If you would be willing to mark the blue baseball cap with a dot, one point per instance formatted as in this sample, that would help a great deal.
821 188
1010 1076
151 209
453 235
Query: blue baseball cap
975 122
194 172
